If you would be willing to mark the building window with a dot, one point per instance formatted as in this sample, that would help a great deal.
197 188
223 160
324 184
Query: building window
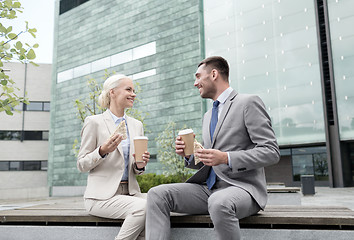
31 165
33 135
15 166
37 106
4 166
46 106
34 106
44 165
23 165
24 135
310 161
302 165
351 159
111 61
66 5
10 135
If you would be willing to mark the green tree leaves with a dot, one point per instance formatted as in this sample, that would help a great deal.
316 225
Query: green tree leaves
173 164
12 50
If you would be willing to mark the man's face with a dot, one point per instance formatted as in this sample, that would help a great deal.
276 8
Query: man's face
204 82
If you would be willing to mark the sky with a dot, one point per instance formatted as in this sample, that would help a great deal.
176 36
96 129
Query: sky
40 15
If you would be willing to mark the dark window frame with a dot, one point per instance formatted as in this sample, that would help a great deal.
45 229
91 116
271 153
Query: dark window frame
66 5
43 108
24 135
40 165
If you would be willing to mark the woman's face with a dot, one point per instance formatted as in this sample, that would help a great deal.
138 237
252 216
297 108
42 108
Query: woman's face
123 96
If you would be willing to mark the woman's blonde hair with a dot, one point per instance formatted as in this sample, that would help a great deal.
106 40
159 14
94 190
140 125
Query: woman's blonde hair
112 82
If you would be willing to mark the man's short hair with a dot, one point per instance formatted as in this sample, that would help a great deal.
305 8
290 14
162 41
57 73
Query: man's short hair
217 63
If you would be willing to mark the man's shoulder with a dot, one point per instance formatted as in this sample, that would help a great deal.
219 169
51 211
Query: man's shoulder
246 96
248 100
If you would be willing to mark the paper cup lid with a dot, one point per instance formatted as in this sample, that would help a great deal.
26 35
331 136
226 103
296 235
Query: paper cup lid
185 131
141 137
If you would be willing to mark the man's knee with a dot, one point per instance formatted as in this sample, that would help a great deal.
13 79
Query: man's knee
219 205
155 191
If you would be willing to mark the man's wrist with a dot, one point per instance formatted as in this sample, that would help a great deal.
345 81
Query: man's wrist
226 158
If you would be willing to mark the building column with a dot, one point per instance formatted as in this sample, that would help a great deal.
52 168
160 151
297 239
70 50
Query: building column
334 150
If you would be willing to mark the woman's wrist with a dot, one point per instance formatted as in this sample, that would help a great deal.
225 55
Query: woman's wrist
102 152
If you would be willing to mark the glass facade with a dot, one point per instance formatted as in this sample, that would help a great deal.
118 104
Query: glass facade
341 20
272 49
310 161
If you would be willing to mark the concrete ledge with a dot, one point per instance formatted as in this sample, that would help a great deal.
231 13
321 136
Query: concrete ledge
68 191
24 193
66 218
102 233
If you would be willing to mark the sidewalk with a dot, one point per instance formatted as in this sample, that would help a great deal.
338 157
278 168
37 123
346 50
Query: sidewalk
324 196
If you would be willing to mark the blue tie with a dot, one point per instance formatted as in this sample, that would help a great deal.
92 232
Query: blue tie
214 120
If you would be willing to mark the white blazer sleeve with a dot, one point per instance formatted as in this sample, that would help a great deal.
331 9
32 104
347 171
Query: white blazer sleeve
89 156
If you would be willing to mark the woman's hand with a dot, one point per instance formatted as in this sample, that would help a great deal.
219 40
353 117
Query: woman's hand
146 158
111 144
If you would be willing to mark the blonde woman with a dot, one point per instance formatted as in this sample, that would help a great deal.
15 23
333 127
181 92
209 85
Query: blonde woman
112 190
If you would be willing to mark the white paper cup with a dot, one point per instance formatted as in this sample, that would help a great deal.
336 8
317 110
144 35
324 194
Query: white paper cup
188 139
140 146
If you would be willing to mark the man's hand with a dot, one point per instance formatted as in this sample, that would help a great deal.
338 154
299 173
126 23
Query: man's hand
180 147
212 157
111 144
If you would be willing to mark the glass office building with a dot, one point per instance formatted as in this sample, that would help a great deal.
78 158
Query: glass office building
296 55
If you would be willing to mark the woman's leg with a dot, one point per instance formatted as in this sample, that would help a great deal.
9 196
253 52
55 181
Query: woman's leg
130 208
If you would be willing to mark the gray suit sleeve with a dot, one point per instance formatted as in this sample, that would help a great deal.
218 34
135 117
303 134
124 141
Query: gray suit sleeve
265 150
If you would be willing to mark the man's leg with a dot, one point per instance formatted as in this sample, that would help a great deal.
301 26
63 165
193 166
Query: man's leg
179 197
228 205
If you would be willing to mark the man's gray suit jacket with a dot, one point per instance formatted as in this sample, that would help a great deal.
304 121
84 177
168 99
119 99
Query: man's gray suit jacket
244 130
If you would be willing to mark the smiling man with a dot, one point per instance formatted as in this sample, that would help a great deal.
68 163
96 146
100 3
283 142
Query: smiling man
238 143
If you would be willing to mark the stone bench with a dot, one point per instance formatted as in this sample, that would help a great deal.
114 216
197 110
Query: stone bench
69 220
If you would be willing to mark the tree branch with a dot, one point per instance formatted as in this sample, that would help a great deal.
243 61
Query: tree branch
13 38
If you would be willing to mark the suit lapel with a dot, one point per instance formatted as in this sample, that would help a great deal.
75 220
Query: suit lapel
206 131
223 115
111 126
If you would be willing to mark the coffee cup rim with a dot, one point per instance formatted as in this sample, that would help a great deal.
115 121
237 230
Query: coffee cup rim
185 131
141 138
